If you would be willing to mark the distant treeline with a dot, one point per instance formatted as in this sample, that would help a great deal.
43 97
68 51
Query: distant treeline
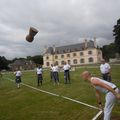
4 63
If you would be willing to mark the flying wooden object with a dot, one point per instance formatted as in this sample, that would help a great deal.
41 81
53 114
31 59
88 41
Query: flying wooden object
31 35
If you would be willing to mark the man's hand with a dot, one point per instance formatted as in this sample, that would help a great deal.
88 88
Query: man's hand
100 106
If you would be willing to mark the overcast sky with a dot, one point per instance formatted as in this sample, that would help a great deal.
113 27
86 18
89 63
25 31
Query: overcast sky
60 22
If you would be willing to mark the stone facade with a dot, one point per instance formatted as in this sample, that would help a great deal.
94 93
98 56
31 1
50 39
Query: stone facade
75 55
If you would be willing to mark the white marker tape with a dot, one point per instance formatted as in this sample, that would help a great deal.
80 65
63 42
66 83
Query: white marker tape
98 115
80 102
40 90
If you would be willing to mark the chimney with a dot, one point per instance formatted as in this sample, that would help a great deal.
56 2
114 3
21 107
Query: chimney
86 44
54 49
95 44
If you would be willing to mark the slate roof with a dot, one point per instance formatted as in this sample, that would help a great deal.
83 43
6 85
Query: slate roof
70 48
21 62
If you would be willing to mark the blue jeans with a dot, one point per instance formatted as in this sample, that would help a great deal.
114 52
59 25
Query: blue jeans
106 77
67 76
56 77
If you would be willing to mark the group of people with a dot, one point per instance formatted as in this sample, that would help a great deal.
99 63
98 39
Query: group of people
103 85
54 73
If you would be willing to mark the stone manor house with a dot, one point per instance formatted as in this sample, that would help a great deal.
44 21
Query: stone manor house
77 54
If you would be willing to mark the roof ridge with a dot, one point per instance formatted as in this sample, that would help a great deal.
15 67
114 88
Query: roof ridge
74 44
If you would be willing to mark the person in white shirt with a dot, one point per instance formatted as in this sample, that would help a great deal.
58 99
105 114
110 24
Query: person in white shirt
39 75
55 74
105 70
66 69
18 75
111 91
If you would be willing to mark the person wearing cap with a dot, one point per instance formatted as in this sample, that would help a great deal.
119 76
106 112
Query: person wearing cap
111 91
105 71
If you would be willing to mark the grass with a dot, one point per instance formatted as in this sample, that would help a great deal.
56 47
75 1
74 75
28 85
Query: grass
29 104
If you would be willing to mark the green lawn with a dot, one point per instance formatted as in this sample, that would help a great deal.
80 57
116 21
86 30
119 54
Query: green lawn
28 104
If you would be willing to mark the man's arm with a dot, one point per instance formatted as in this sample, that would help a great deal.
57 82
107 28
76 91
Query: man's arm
101 84
98 96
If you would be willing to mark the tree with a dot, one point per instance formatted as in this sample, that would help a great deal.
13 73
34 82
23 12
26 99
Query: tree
4 63
38 59
116 34
109 51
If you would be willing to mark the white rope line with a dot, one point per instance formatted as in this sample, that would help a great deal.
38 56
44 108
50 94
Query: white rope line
40 90
91 106
70 99
97 115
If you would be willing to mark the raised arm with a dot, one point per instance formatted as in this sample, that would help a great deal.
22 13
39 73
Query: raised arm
98 96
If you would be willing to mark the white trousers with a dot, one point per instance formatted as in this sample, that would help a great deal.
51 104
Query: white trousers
109 104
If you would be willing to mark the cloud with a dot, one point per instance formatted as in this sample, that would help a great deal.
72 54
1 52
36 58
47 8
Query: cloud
60 22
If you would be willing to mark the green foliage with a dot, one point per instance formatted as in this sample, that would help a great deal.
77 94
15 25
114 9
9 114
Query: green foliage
109 51
4 63
116 34
38 59
18 59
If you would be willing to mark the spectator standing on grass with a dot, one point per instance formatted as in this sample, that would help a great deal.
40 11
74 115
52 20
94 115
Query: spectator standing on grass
39 75
66 69
51 72
18 75
105 70
56 74
108 88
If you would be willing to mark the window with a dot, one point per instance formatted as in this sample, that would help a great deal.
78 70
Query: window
62 56
62 62
47 57
47 64
56 57
90 59
56 62
74 54
68 55
69 61
75 61
89 52
81 54
82 60
63 51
